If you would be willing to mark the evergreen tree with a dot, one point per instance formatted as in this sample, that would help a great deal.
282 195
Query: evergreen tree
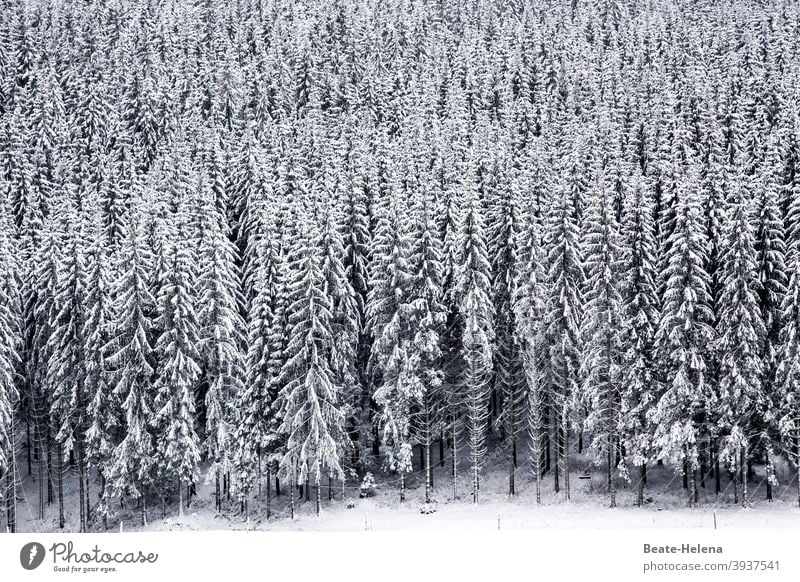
641 318
603 319
310 413
393 361
741 333
473 286
682 337
178 348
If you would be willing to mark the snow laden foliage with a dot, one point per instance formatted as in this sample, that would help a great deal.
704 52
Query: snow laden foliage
279 245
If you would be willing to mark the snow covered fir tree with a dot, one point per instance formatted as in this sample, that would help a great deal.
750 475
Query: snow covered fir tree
254 253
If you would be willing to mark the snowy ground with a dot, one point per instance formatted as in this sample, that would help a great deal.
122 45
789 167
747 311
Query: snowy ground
588 507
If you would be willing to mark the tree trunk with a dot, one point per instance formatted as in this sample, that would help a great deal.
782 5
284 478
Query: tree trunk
41 474
180 499
143 503
743 464
11 483
558 448
28 441
797 460
291 489
317 501
81 489
50 494
217 492
441 451
769 473
269 492
104 501
565 428
612 485
640 485
428 469
455 463
60 485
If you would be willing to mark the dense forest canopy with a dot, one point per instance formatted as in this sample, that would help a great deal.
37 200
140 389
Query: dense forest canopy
271 242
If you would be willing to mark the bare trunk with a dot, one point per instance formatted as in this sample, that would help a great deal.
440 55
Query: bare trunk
565 428
640 485
455 462
797 460
269 492
291 489
60 485
82 489
427 445
11 485
743 464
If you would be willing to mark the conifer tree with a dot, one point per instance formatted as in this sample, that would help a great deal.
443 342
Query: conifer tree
683 335
310 415
473 286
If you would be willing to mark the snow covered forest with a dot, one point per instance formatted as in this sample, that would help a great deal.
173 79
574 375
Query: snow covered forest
265 244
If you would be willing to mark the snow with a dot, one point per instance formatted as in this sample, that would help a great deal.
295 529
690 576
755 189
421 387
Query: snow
588 507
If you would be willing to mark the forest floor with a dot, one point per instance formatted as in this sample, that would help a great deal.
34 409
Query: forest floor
588 507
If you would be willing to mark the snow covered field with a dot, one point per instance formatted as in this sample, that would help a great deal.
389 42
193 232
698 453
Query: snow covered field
587 508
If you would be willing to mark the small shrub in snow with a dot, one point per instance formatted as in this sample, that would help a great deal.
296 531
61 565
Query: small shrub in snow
427 508
368 486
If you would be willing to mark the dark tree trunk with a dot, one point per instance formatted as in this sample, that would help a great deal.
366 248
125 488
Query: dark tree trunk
60 485
640 485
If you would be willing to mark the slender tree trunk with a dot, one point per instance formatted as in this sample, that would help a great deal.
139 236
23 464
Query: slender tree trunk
88 498
50 493
277 485
428 471
441 451
81 489
558 448
769 474
475 484
318 500
797 458
547 440
143 503
41 473
180 499
28 442
60 484
612 484
11 483
536 461
217 491
269 492
104 501
330 488
402 487
743 464
565 428
291 489
455 462
640 485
